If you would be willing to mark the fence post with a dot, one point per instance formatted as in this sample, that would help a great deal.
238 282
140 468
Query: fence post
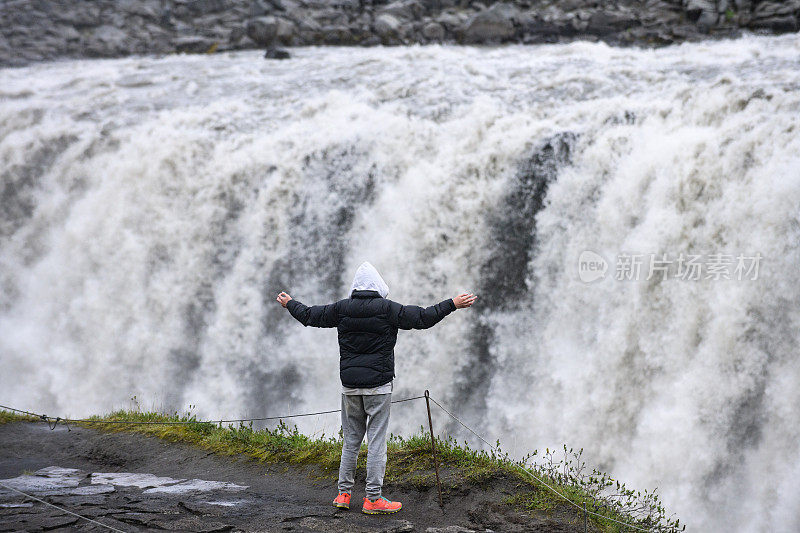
433 447
584 518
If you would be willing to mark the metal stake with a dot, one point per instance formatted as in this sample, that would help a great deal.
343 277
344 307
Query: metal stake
584 517
433 448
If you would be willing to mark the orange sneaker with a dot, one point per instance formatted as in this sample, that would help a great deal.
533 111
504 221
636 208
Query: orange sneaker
381 506
342 501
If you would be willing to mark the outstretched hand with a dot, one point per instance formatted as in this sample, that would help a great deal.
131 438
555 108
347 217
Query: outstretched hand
284 298
464 300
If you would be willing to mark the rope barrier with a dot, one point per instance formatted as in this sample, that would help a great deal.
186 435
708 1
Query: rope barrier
62 509
55 420
537 478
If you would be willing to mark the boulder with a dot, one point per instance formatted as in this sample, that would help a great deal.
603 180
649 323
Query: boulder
450 21
338 35
236 34
203 7
262 30
193 44
695 8
149 9
707 20
108 40
277 53
776 9
85 17
310 31
779 24
492 25
68 33
346 5
403 9
606 22
286 32
387 27
433 31
371 40
537 30
329 17
266 30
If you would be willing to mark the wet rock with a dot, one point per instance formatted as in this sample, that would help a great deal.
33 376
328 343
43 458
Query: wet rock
195 485
49 523
492 25
128 479
16 505
52 478
276 53
401 526
433 31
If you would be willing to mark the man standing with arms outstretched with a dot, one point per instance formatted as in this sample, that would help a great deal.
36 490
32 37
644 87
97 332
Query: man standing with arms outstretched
367 324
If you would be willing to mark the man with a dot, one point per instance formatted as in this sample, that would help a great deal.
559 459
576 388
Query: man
367 324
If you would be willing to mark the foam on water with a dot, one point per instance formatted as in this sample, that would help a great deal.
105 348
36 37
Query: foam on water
153 208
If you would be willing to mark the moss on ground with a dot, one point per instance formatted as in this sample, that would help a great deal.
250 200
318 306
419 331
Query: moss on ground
410 463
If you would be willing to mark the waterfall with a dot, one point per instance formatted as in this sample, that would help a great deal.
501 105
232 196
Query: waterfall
152 209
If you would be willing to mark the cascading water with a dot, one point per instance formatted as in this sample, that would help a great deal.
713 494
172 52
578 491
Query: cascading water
153 208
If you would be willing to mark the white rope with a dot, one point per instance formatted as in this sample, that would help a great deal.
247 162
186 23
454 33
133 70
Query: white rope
537 478
62 509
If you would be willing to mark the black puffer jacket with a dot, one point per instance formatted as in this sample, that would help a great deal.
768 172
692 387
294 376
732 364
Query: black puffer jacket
367 326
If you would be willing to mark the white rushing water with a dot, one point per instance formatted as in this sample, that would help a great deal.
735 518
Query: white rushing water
152 209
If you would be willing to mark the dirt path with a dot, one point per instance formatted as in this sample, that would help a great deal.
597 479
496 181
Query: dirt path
138 483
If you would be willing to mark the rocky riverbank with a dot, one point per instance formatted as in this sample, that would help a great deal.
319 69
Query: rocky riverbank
36 30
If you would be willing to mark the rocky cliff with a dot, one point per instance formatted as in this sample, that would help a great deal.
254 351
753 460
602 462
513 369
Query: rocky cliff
34 30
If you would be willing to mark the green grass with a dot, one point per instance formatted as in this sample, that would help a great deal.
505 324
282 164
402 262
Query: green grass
6 417
410 463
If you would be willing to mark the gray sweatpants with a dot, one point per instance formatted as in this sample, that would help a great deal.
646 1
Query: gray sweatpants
370 415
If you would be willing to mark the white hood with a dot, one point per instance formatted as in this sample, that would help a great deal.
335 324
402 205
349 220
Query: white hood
368 279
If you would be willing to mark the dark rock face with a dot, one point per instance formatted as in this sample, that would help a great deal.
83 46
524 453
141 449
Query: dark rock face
35 30
495 24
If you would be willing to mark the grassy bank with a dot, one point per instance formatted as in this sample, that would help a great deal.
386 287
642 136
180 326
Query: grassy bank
410 464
